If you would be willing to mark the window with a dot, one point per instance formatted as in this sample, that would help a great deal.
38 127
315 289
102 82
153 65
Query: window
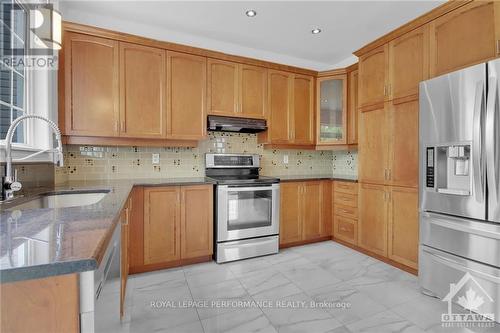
13 32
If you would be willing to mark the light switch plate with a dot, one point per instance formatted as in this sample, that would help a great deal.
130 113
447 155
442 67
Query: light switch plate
285 159
156 158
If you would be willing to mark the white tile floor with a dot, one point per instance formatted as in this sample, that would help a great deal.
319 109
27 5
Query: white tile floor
382 298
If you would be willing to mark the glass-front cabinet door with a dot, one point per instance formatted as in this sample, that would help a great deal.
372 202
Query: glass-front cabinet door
331 110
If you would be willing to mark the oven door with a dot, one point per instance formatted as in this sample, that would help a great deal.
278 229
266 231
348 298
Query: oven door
247 212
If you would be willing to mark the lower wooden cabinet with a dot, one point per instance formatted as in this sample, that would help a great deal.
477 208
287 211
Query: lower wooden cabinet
124 218
345 212
345 229
170 225
305 215
388 222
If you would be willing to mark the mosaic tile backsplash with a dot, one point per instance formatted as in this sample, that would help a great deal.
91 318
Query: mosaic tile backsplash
89 163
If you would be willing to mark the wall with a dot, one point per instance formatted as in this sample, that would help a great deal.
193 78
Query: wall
88 163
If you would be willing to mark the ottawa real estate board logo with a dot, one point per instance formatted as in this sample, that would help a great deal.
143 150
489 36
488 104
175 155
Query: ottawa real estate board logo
30 35
469 294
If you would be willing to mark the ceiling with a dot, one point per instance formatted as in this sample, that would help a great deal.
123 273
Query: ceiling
281 31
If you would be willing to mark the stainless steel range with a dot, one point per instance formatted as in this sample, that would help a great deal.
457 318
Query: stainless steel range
246 207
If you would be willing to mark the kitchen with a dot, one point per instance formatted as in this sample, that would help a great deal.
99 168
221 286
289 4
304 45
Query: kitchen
201 185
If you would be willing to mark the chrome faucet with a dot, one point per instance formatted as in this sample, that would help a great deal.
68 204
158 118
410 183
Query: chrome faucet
10 184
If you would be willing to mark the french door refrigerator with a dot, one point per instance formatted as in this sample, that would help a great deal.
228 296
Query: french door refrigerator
459 197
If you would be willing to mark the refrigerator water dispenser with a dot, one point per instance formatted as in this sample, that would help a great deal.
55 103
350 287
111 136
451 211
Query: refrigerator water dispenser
451 169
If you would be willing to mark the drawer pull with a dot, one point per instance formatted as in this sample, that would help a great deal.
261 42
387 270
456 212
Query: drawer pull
343 229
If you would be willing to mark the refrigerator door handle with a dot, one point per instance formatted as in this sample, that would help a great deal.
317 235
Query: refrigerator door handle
492 139
477 144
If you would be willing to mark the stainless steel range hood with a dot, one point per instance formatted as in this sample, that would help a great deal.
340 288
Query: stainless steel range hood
232 124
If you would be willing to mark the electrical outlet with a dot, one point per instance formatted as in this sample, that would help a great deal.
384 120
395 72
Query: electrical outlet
285 159
156 158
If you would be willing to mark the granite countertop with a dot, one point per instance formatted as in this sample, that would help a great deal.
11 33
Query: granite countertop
290 178
37 243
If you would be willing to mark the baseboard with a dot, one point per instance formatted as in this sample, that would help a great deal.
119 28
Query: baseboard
170 264
304 242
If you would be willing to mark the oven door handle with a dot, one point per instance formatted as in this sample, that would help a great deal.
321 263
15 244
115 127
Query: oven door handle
228 188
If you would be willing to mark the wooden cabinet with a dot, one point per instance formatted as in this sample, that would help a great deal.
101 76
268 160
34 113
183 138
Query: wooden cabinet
280 109
345 211
305 211
352 107
402 161
161 224
124 258
196 224
372 223
303 109
186 98
331 113
373 146
373 77
403 226
91 86
465 36
142 91
408 63
290 212
253 91
222 88
171 232
237 90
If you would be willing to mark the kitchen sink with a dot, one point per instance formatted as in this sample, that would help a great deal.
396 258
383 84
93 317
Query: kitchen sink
63 199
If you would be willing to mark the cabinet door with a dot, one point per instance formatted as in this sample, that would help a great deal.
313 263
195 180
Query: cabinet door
279 107
373 148
408 63
332 110
91 87
303 109
403 226
125 217
253 91
222 88
403 144
290 212
464 37
312 201
196 221
352 108
136 230
372 77
142 91
186 110
327 212
372 222
346 229
161 224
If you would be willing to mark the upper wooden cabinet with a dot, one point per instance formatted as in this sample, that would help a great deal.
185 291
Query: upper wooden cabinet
465 36
373 77
91 85
186 98
142 91
331 114
408 63
352 107
236 90
222 88
303 109
253 91
280 91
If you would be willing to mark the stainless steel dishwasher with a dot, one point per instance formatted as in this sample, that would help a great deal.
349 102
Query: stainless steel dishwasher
100 291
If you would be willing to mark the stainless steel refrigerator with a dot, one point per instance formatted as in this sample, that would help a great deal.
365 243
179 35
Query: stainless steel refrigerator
459 201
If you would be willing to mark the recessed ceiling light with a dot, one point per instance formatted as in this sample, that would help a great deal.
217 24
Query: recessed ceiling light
315 31
251 13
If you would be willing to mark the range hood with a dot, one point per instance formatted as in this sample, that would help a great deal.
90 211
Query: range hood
232 124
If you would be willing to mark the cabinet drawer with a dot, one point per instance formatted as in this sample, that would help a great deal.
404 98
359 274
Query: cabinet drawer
346 229
346 211
350 200
345 187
